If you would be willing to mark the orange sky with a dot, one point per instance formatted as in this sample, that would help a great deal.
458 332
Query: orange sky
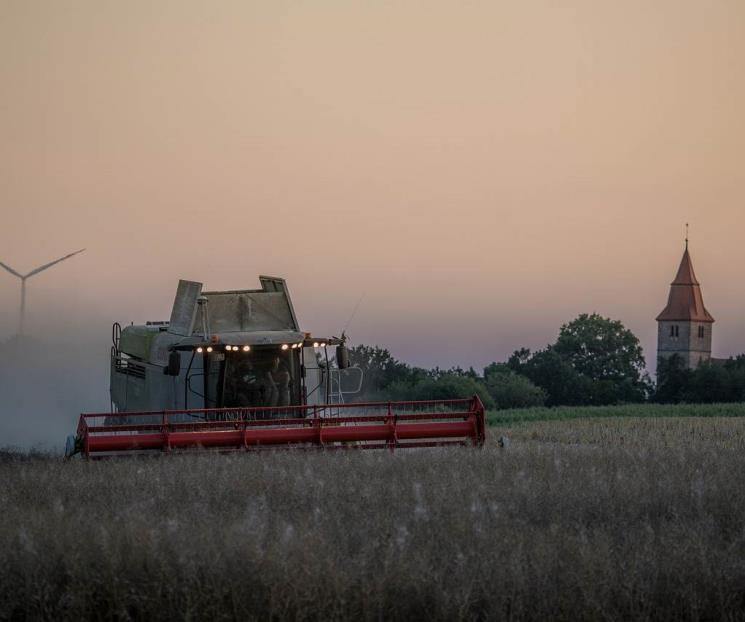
482 171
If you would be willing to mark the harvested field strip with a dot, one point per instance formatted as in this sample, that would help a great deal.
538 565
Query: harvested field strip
564 413
649 434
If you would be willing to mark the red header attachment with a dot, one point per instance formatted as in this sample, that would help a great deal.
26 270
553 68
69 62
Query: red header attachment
370 425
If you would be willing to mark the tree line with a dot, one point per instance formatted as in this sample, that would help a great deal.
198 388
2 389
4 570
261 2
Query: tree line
594 361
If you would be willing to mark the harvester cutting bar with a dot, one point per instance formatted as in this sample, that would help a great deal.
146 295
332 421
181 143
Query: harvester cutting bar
370 425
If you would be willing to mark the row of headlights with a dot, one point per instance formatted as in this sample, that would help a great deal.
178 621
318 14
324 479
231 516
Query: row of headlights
285 346
208 349
316 344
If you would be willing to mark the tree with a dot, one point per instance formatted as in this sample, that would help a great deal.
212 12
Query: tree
601 348
497 368
710 383
563 385
736 369
447 385
510 390
518 359
595 360
386 378
379 368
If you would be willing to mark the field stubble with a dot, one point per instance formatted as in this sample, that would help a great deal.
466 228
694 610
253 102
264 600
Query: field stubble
588 519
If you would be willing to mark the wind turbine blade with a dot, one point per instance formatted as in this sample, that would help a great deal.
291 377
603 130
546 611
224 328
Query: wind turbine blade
52 263
9 269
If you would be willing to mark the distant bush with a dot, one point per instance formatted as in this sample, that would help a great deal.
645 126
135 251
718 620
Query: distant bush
380 369
386 378
448 385
510 390
709 383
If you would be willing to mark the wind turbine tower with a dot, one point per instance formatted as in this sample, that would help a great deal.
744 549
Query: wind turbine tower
24 277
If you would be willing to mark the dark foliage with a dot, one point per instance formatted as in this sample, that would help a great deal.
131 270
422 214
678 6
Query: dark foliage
601 349
380 370
386 378
448 385
594 361
712 382
510 390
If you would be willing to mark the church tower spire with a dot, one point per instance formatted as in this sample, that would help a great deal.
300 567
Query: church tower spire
685 325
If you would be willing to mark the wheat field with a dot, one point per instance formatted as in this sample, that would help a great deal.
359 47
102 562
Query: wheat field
602 518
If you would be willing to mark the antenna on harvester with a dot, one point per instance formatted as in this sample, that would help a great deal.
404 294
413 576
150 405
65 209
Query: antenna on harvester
354 312
23 277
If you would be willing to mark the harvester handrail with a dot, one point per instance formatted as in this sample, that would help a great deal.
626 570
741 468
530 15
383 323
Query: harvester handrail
309 421
300 407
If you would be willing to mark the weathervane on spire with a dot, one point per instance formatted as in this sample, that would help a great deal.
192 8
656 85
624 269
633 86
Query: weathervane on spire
686 236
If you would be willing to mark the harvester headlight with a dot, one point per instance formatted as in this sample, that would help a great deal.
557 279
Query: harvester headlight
200 350
209 348
246 348
315 344
323 344
285 346
294 346
300 345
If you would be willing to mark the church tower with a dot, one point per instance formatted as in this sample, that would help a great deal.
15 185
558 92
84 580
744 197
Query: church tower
685 326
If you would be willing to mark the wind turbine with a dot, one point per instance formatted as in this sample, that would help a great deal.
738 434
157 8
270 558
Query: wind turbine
23 278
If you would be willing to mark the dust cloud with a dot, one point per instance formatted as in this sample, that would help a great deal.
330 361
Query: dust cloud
45 383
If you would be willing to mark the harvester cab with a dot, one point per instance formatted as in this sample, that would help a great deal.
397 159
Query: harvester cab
233 370
230 349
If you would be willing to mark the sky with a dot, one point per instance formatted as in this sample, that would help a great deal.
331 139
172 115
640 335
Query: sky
480 171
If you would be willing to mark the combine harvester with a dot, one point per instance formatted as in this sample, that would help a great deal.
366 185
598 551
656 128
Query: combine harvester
233 371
